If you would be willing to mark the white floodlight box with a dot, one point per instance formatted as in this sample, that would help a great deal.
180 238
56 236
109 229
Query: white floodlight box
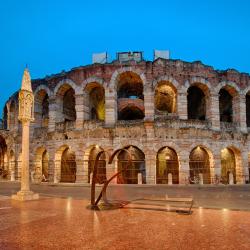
161 54
99 57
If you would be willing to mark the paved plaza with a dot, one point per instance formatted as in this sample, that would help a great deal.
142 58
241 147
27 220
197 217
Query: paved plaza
60 219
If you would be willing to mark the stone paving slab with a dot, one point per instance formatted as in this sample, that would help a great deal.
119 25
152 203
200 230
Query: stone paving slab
55 223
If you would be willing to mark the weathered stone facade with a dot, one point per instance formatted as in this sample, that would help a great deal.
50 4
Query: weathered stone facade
112 106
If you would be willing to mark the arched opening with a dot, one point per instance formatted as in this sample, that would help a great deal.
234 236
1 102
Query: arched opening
41 165
96 101
66 104
225 106
165 97
12 115
196 103
101 169
199 165
3 152
69 103
41 109
130 98
228 166
248 109
167 163
136 170
68 166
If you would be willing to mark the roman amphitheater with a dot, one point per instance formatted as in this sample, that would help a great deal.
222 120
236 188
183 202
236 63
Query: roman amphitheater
183 123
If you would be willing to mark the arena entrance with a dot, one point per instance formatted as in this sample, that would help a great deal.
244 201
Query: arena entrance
101 169
136 172
228 166
68 166
167 166
3 158
199 166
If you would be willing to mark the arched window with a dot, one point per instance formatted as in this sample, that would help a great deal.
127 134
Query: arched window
226 106
167 166
199 165
130 173
228 166
130 98
196 103
96 104
68 166
41 109
165 97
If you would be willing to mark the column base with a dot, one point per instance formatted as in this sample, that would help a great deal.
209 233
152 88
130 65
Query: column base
25 196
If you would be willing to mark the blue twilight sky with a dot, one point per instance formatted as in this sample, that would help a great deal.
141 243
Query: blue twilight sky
55 35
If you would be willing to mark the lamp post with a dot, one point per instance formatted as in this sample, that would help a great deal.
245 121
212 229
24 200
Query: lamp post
26 115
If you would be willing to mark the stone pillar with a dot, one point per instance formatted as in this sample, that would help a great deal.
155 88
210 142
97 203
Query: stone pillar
245 168
25 193
79 98
182 104
79 166
184 167
52 113
26 114
110 108
217 166
200 178
150 165
149 105
214 116
241 113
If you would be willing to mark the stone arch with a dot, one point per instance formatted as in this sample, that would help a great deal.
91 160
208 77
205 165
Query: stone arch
89 161
201 164
167 166
115 75
232 86
136 172
45 88
65 98
41 109
165 96
41 164
94 79
95 100
65 164
130 96
198 98
165 78
72 84
231 164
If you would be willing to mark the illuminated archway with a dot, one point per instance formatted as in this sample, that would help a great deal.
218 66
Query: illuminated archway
101 169
68 166
228 165
167 163
130 175
96 101
199 165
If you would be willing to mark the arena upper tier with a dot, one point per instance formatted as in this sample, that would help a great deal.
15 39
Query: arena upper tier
182 122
